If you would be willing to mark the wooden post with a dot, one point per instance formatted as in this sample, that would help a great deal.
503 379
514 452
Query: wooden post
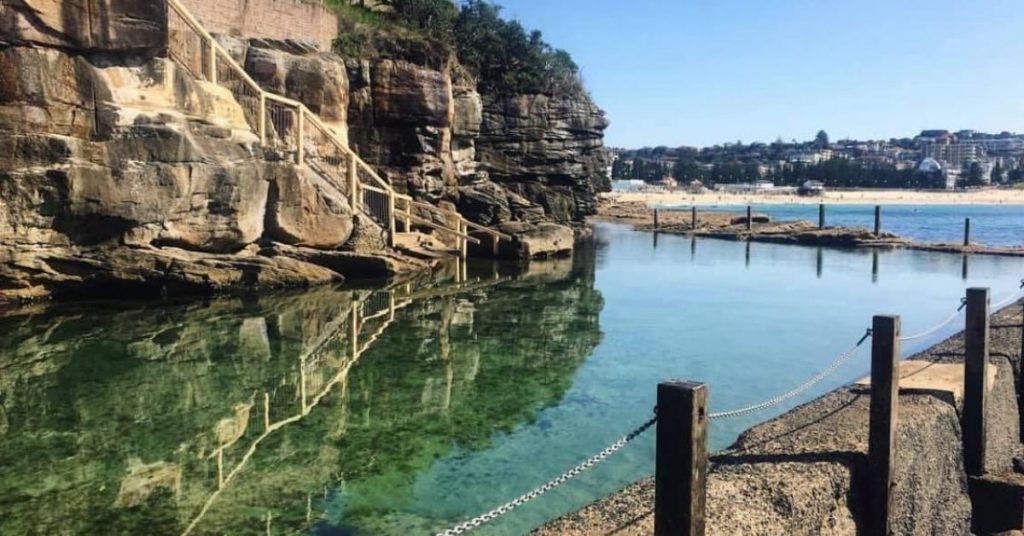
821 216
495 246
693 218
353 184
750 218
975 376
681 464
878 220
657 225
967 232
885 356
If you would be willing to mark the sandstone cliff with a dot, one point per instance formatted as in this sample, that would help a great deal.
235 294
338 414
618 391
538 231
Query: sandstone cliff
120 172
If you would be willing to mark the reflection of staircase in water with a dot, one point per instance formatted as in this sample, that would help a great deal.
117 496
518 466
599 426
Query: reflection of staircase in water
367 319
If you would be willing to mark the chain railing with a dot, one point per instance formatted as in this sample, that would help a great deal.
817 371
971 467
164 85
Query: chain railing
491 515
476 522
290 127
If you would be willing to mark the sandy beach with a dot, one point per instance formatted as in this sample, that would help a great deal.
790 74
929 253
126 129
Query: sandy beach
852 197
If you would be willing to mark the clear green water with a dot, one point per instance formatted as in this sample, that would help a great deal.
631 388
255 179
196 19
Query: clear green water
112 414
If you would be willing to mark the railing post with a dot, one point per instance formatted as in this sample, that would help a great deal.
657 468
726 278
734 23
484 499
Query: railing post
463 243
262 122
885 355
967 232
300 136
391 218
681 464
353 183
821 216
211 67
976 338
878 220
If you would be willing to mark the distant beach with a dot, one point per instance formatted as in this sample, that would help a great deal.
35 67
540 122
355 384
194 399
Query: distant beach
850 197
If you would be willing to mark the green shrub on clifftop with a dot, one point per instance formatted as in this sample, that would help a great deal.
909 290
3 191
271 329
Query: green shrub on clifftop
500 53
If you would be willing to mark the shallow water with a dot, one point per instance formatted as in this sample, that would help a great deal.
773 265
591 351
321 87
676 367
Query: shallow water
993 225
446 400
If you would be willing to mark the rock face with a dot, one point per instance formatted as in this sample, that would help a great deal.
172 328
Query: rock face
548 149
114 160
120 172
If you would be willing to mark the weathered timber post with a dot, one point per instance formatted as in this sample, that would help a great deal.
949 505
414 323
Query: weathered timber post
878 220
967 232
750 218
885 356
693 218
976 338
821 216
657 224
681 464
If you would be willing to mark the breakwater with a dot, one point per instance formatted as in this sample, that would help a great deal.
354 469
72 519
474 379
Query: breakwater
753 226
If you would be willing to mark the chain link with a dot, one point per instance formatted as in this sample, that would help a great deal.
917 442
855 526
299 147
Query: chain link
845 356
467 526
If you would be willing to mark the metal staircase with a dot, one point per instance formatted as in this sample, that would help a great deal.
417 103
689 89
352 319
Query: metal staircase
289 127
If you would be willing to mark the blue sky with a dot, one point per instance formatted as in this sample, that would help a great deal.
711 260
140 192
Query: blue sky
701 72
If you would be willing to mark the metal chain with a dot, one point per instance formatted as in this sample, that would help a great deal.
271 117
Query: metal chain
797 391
944 323
476 522
467 526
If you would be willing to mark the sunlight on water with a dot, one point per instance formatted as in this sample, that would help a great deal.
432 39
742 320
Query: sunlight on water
404 410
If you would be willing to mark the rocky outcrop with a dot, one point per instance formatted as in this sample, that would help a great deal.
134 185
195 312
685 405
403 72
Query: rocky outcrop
85 24
111 153
548 149
123 173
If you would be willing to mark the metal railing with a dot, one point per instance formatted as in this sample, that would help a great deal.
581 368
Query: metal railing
288 126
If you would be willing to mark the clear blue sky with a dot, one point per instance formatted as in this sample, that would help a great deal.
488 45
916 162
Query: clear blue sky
701 72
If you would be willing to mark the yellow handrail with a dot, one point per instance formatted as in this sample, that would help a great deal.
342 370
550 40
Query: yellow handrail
218 54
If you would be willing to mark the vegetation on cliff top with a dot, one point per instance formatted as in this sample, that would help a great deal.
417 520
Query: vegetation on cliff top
501 54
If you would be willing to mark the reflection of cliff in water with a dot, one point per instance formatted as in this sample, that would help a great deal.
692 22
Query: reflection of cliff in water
230 416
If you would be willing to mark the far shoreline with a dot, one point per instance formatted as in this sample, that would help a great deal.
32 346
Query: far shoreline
994 197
